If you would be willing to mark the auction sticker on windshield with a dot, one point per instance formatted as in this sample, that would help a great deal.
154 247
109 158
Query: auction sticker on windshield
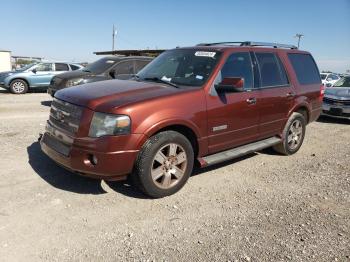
205 53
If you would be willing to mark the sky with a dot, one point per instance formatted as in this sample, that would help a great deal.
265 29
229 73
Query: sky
72 30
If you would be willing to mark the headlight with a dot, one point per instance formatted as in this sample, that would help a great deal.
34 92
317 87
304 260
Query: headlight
108 125
74 82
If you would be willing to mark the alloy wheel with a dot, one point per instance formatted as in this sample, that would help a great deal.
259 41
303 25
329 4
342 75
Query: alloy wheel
295 134
169 166
18 87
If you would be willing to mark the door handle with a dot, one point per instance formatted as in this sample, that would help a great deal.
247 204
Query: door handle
251 100
290 94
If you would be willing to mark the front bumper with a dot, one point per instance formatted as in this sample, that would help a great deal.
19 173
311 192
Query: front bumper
338 111
2 84
115 155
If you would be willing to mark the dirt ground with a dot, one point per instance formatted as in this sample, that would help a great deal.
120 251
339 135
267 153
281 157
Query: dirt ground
262 207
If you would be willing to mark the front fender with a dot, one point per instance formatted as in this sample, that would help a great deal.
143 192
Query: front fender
8 80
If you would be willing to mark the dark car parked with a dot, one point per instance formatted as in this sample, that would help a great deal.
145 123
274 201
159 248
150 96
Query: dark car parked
111 67
208 103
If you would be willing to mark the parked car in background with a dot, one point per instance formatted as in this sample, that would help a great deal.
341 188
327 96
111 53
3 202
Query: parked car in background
328 79
207 103
33 76
111 67
336 101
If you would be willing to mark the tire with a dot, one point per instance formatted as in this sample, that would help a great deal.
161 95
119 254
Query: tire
164 164
18 86
293 135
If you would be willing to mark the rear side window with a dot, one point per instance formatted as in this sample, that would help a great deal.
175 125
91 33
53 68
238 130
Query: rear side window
305 68
272 72
61 67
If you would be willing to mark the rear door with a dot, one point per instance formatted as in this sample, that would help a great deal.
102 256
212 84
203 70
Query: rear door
276 94
233 117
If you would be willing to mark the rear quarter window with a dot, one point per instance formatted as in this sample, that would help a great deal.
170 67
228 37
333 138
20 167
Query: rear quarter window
305 69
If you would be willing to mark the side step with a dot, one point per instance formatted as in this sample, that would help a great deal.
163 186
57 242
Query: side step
240 151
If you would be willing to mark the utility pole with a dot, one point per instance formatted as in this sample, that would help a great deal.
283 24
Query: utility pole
299 36
114 34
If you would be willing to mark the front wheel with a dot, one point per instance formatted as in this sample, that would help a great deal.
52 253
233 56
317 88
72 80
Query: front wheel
164 164
293 135
18 86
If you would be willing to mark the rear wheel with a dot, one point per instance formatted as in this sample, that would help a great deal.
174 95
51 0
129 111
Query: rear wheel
293 135
164 164
18 86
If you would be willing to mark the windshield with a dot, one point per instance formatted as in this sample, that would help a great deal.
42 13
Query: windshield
100 66
26 67
343 82
323 76
188 67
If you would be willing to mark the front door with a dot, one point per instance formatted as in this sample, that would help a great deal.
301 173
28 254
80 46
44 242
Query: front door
233 117
42 75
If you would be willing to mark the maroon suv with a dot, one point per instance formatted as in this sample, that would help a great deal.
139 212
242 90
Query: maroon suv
207 103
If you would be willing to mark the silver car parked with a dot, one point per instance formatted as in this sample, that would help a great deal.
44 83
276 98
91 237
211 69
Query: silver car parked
336 101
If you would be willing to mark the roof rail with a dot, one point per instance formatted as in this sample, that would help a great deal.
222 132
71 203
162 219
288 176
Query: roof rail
251 43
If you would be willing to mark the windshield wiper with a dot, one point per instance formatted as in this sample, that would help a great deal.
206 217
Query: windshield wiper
159 80
86 70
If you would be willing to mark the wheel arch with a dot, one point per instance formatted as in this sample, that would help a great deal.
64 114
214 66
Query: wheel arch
20 78
183 127
302 108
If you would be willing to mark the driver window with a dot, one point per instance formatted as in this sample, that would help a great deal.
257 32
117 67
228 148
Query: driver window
125 68
238 65
44 67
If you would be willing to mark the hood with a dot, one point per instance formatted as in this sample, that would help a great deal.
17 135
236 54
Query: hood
104 96
342 93
7 72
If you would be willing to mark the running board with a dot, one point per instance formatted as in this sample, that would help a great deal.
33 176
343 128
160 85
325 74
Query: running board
240 151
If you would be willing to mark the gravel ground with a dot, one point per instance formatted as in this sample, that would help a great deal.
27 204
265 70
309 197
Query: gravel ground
262 207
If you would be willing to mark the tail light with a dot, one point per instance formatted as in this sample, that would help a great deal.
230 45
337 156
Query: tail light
321 92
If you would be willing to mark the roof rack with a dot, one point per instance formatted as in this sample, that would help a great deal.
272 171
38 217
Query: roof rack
251 43
142 52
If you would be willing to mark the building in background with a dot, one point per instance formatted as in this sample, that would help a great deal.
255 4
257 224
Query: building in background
5 60
20 61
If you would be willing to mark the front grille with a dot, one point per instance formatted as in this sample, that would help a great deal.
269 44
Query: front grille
65 116
332 101
56 145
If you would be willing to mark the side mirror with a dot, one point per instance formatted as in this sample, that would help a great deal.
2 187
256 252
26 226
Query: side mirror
113 73
34 71
230 85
